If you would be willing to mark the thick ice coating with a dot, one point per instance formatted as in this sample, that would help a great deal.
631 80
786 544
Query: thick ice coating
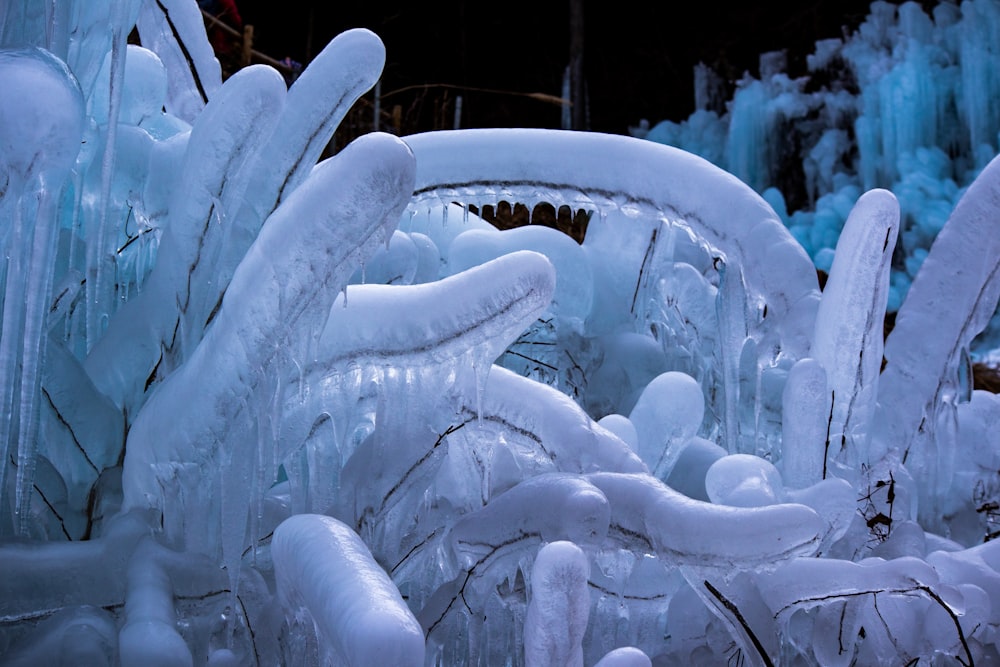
276 285
324 569
220 448
688 531
559 608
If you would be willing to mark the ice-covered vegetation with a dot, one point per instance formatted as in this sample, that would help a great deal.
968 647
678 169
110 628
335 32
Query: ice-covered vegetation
259 410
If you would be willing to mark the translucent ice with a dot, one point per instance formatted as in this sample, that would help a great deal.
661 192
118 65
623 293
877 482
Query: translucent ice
325 570
559 608
221 449
667 415
848 339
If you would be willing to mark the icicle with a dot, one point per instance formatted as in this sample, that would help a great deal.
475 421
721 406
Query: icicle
481 368
98 261
805 410
38 159
732 329
10 341
37 297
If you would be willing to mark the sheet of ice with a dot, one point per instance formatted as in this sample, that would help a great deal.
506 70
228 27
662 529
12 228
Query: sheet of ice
886 597
382 407
324 570
559 607
75 636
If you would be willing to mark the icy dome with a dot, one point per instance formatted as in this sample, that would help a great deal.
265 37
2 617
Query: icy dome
263 411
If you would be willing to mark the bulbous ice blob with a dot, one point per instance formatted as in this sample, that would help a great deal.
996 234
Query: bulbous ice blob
744 480
223 657
428 258
629 361
623 427
41 114
688 473
143 91
557 614
442 224
667 414
627 656
395 264
574 286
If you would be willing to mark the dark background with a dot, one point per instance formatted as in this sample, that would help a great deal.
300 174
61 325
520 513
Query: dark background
638 57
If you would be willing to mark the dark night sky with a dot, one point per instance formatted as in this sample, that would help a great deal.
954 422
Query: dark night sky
638 59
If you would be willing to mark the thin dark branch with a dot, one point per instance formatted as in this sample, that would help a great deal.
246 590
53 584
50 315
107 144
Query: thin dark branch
735 611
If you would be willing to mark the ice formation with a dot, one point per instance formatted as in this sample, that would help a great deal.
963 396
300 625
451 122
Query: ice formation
906 102
259 410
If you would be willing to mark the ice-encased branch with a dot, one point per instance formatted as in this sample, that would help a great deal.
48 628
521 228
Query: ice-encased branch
691 532
288 281
631 173
951 300
175 31
154 324
552 424
318 100
322 566
433 334
848 338
483 308
575 510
